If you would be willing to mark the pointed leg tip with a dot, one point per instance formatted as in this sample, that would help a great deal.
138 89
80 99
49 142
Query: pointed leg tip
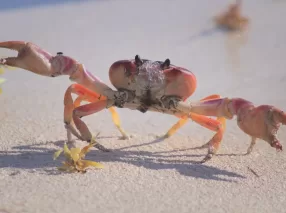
248 152
102 148
125 137
159 138
162 137
207 158
166 136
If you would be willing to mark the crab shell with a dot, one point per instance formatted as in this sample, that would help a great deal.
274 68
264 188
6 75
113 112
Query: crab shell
150 81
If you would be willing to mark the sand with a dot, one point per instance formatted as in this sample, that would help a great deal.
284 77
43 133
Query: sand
141 175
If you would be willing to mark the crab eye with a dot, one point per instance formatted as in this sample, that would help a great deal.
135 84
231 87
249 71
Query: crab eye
59 53
138 60
166 64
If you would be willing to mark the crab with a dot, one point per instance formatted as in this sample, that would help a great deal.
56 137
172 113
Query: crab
146 85
232 18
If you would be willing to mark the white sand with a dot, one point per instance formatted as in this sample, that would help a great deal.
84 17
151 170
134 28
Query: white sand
140 176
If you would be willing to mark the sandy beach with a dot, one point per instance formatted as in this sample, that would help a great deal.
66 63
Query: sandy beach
142 175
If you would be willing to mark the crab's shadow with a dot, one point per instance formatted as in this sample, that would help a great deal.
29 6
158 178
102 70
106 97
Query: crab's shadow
161 139
204 33
38 158
208 32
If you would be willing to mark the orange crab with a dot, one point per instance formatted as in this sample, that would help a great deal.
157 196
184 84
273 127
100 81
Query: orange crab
232 18
146 85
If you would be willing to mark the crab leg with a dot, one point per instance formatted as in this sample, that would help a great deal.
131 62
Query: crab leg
214 107
252 144
261 122
198 112
31 57
183 120
84 77
85 110
89 96
215 125
116 121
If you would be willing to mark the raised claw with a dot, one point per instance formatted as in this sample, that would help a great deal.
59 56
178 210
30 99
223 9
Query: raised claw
31 57
261 122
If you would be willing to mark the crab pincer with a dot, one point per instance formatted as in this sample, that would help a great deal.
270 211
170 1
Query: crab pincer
261 122
89 88
30 57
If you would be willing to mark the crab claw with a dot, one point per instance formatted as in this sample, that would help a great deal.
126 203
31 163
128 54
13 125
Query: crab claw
33 58
261 122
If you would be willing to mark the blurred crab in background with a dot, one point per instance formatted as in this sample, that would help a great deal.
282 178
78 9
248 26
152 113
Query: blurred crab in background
232 18
146 85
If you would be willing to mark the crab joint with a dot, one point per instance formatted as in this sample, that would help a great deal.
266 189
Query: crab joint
84 77
215 107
